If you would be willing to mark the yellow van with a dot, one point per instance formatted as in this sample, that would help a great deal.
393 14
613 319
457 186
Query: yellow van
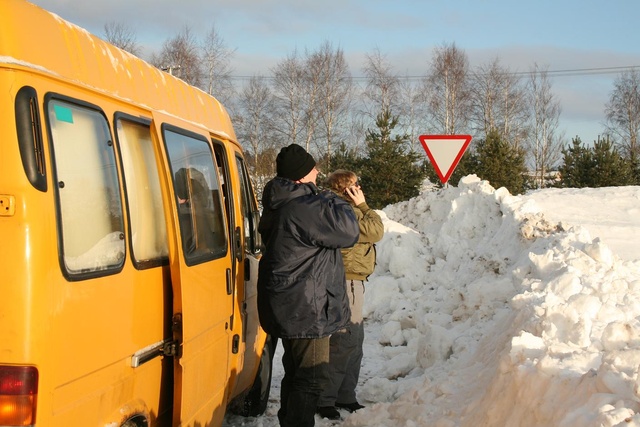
129 240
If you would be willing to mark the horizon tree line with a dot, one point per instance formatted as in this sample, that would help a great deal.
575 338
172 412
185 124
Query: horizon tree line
312 99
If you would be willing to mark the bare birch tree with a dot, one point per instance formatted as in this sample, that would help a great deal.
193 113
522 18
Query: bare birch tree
412 111
289 85
254 126
180 57
122 36
382 87
312 66
498 102
446 89
387 91
311 92
546 142
332 75
215 63
623 112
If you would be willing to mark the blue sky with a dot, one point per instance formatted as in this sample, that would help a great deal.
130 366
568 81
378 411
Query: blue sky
559 35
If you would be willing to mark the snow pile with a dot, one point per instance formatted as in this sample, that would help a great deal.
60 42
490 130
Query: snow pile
482 312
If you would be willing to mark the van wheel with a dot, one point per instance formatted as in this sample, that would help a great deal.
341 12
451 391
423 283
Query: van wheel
255 401
137 421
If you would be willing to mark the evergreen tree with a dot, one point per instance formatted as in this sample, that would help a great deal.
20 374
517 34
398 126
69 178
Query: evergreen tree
634 165
391 172
430 172
577 164
345 158
501 164
609 167
634 162
599 166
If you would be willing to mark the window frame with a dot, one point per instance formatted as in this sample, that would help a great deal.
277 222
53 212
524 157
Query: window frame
82 274
190 258
139 264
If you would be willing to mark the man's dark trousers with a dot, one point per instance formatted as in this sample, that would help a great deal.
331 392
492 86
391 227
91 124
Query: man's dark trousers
305 364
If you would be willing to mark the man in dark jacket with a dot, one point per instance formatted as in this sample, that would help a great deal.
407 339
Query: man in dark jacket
301 293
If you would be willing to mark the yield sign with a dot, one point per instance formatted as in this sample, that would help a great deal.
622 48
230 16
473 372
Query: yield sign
445 151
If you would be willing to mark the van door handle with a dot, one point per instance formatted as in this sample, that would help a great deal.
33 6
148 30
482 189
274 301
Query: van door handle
238 243
150 352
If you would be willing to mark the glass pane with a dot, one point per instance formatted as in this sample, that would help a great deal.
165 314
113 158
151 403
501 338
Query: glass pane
146 214
247 205
198 192
89 194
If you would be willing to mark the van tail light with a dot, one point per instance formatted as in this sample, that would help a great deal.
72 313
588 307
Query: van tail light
18 395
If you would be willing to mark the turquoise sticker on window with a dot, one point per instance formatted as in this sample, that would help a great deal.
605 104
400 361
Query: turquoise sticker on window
63 114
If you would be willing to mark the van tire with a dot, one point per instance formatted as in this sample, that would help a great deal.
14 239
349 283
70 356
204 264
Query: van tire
256 400
137 421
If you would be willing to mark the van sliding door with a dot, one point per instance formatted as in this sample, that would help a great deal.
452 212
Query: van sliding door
200 262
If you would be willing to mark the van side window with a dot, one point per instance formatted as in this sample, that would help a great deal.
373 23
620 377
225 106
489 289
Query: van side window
144 199
88 192
249 209
197 190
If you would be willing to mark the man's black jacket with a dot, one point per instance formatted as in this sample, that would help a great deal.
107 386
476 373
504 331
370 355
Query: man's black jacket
301 291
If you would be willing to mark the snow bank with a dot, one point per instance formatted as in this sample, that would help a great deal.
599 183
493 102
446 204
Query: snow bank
484 313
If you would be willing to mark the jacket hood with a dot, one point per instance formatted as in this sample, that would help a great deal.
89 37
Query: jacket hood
279 191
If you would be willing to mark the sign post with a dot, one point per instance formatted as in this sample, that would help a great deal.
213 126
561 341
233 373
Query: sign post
445 151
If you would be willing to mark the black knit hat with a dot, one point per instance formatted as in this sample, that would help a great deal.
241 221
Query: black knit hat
294 162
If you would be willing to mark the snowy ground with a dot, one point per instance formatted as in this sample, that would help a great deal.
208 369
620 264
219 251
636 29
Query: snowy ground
488 309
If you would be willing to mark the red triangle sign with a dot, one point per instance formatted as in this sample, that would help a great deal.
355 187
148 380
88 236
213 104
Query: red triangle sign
445 151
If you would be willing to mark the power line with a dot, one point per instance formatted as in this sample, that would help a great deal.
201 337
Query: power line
575 72
584 71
